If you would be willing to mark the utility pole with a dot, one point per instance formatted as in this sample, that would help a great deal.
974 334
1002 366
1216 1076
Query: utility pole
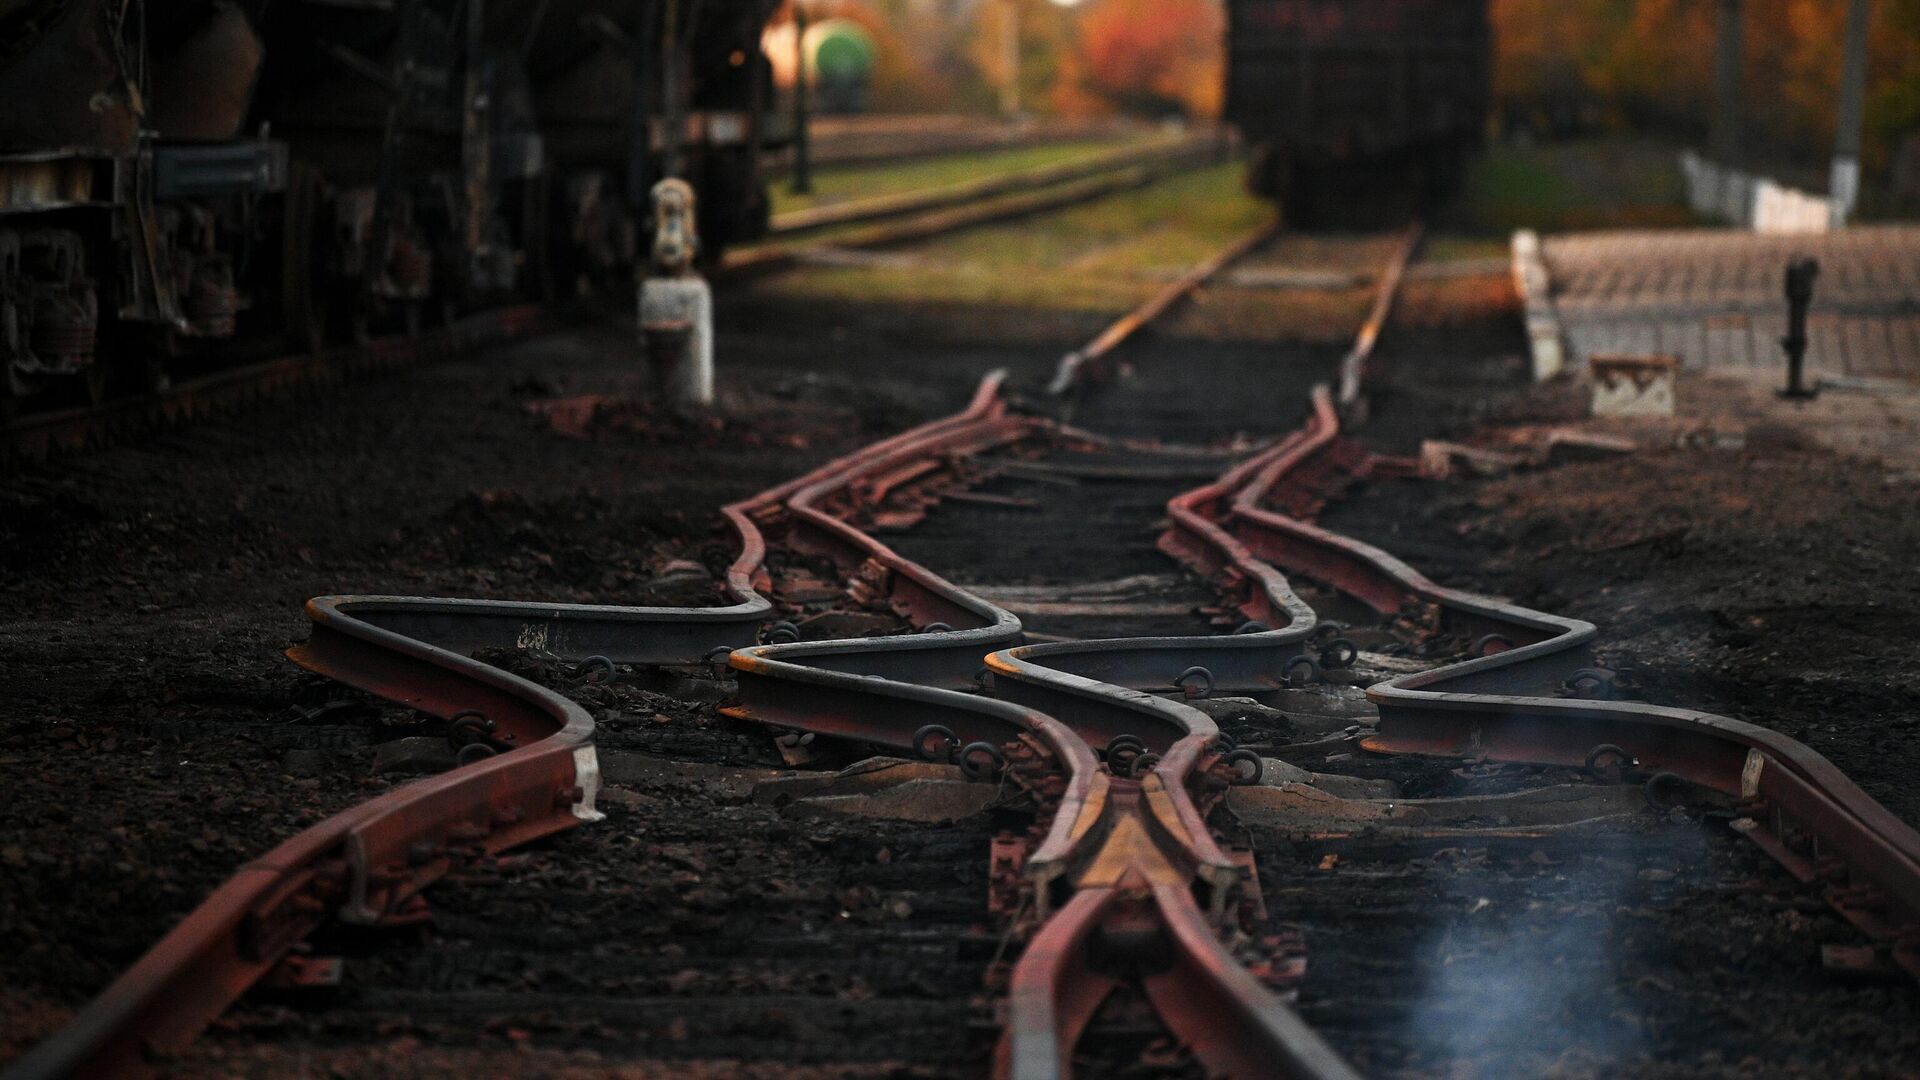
674 93
802 158
649 98
1844 186
1723 140
1010 58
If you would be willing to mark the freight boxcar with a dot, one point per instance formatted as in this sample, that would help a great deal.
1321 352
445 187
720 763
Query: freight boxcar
186 184
1337 94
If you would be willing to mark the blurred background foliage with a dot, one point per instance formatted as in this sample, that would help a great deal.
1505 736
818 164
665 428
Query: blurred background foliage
1572 66
1151 58
1562 67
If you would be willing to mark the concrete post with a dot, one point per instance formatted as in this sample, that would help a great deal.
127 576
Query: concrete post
676 305
1724 139
1844 186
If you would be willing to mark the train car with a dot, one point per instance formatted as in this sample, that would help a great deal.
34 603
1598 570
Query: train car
189 184
1334 96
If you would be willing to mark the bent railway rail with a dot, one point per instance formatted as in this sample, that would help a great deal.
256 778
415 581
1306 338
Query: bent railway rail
1121 878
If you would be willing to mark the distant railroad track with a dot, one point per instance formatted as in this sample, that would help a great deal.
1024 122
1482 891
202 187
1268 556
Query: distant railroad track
1131 900
879 208
882 223
873 140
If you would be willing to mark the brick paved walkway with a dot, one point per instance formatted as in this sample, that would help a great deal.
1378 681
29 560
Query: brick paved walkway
1715 297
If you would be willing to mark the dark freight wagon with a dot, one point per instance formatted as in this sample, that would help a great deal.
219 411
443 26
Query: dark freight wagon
188 183
1334 93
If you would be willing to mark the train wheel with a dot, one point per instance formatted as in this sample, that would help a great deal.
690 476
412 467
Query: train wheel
303 300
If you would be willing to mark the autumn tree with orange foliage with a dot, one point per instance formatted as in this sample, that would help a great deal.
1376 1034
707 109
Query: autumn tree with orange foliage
1649 64
1154 56
1150 57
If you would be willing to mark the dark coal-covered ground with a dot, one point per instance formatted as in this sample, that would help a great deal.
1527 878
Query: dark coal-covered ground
154 738
1670 948
1771 580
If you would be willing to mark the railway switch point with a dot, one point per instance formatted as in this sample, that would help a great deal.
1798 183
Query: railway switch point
974 699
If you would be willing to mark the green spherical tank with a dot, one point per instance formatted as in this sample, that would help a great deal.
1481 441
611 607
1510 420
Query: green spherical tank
842 55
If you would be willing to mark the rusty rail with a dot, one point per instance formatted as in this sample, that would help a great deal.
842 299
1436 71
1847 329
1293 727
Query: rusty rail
1137 867
780 255
369 864
879 208
1113 834
1353 366
1127 860
908 137
366 865
1509 704
1141 864
1088 363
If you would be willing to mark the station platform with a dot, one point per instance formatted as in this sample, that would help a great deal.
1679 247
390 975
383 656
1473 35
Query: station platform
1715 298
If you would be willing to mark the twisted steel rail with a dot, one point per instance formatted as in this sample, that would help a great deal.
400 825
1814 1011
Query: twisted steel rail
1509 704
1121 881
369 864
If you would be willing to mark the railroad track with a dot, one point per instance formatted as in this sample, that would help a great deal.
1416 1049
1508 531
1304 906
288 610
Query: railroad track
869 140
1145 763
880 208
883 223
